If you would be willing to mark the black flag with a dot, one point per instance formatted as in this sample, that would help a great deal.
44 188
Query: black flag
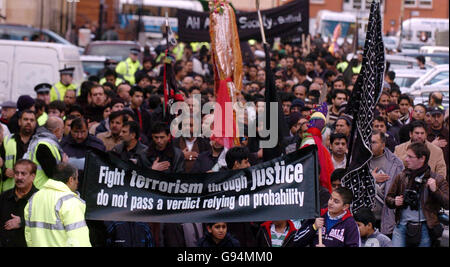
363 100
271 95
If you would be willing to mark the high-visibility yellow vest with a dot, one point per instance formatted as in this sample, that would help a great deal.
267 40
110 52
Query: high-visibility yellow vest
10 146
342 66
357 69
178 51
59 90
54 217
41 178
118 81
42 119
127 69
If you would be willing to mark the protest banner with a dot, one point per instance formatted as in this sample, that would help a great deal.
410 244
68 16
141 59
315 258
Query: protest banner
291 19
283 188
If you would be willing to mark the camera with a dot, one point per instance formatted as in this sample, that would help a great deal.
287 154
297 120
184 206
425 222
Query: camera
411 199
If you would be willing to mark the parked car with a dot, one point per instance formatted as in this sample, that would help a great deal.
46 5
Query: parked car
24 64
404 78
92 64
26 33
432 59
404 62
437 74
410 47
421 94
117 50
433 49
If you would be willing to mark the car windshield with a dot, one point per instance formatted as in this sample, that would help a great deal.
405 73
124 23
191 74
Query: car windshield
439 77
27 34
411 46
405 81
91 67
116 52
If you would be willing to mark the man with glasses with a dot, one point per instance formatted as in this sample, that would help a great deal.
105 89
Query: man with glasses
417 195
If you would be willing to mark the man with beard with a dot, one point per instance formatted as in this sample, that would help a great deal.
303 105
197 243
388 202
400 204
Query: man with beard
405 103
78 143
418 133
131 149
437 134
94 112
338 145
393 114
380 124
384 166
112 137
15 146
212 160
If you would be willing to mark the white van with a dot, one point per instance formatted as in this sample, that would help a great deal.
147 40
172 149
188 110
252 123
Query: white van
326 21
414 28
23 65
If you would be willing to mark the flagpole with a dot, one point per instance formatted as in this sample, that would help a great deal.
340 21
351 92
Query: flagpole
261 25
166 82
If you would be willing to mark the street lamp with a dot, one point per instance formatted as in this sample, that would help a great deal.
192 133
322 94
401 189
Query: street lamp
100 20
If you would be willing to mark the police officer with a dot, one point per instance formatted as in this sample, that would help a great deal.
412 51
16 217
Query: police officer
54 216
59 90
43 92
128 67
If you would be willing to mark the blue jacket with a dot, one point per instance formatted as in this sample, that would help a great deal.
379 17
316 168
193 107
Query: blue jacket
345 233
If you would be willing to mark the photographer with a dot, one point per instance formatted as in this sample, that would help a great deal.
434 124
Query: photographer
417 195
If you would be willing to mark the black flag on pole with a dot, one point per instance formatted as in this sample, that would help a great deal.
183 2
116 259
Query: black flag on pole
363 100
271 95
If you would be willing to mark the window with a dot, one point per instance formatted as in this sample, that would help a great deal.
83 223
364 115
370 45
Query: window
420 3
426 3
357 4
410 3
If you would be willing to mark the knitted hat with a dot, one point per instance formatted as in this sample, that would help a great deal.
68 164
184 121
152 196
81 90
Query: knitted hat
25 102
391 107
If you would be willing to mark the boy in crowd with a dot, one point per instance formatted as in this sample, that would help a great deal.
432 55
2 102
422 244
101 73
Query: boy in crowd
276 234
370 236
339 229
217 236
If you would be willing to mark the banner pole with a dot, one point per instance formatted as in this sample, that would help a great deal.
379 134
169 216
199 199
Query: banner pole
320 236
261 25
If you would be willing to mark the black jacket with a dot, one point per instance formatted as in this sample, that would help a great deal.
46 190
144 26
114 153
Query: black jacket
208 242
137 153
8 205
204 162
171 154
